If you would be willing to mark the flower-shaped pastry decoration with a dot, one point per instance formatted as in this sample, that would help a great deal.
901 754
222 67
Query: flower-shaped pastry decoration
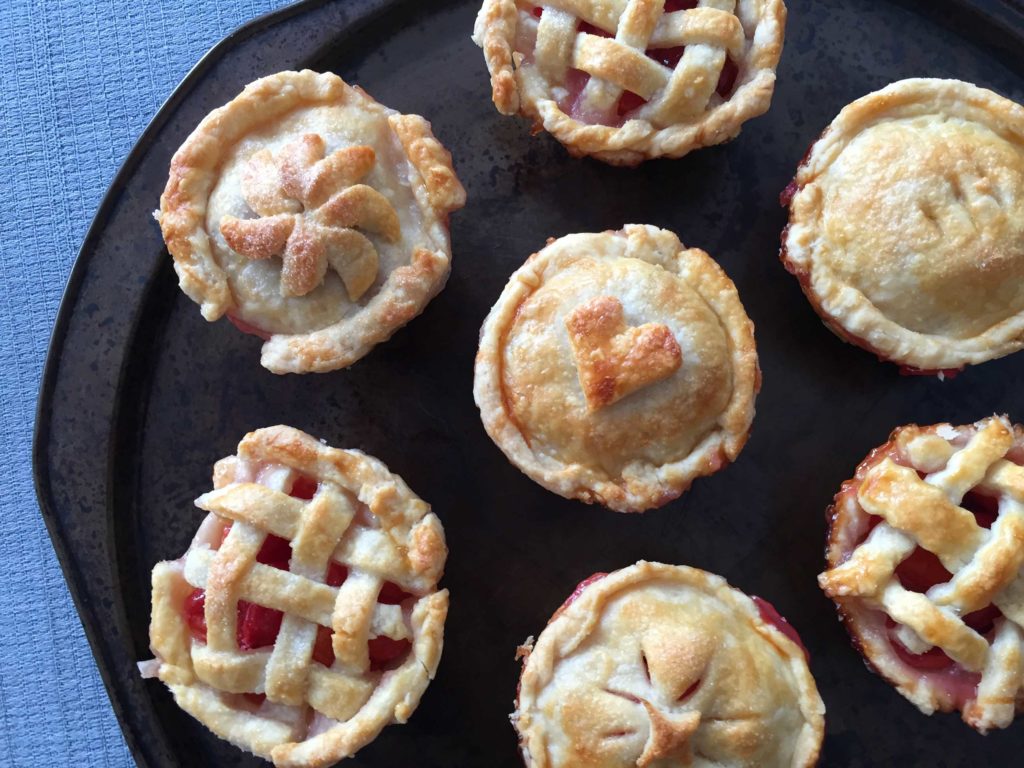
309 207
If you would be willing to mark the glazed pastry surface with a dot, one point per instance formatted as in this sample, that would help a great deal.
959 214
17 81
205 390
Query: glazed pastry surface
659 665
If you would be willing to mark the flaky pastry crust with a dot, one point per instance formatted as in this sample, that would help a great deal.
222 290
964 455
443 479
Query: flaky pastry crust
531 62
360 517
662 665
906 224
908 495
352 196
617 367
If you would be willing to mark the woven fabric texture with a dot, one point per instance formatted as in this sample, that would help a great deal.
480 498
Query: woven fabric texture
80 81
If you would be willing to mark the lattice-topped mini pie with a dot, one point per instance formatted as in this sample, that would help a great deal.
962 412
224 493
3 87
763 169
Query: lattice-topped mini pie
925 548
305 615
906 225
311 216
617 367
627 80
663 666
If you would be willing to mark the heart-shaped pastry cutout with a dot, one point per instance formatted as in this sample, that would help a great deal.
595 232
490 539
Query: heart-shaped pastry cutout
614 360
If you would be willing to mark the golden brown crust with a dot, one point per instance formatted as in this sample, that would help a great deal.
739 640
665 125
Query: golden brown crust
631 452
906 223
910 483
310 157
614 360
663 663
528 62
360 516
431 159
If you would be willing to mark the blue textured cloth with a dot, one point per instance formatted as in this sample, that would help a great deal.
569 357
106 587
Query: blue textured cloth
80 81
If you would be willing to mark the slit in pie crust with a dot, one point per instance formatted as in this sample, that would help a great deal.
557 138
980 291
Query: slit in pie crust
312 216
924 556
628 80
305 616
665 665
617 367
906 225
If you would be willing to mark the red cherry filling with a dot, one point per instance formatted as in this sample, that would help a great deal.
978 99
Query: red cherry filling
689 692
776 619
245 327
576 80
946 373
392 594
785 198
384 652
922 570
304 488
194 615
258 626
579 590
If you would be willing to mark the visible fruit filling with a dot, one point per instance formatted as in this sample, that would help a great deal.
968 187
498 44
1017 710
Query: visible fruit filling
576 80
258 627
922 570
579 591
777 620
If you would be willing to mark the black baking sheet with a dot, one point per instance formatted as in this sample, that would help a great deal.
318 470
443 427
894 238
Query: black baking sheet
141 396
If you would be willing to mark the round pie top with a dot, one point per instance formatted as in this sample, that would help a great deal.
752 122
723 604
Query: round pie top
305 615
924 557
617 367
907 224
627 80
661 665
311 215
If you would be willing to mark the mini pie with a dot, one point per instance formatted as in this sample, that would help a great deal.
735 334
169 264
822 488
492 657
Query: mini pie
666 666
906 225
311 216
628 80
305 615
617 367
924 556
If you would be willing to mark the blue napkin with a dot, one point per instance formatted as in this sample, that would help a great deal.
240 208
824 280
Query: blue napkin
80 81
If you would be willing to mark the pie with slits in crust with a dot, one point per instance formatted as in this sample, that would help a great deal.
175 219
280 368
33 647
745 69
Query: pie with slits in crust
617 367
925 548
311 216
305 615
665 666
628 80
906 225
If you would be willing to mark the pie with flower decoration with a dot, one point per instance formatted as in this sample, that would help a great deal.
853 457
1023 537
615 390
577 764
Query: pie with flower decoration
665 666
305 616
618 367
629 80
311 216
925 548
906 225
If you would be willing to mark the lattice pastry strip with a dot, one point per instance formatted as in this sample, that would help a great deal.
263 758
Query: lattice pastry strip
917 485
669 58
268 546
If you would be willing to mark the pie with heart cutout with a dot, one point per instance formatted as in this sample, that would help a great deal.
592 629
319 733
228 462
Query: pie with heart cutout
617 367
665 666
628 80
311 216
305 616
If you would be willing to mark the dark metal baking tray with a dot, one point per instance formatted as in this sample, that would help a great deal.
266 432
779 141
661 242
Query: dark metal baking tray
140 396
